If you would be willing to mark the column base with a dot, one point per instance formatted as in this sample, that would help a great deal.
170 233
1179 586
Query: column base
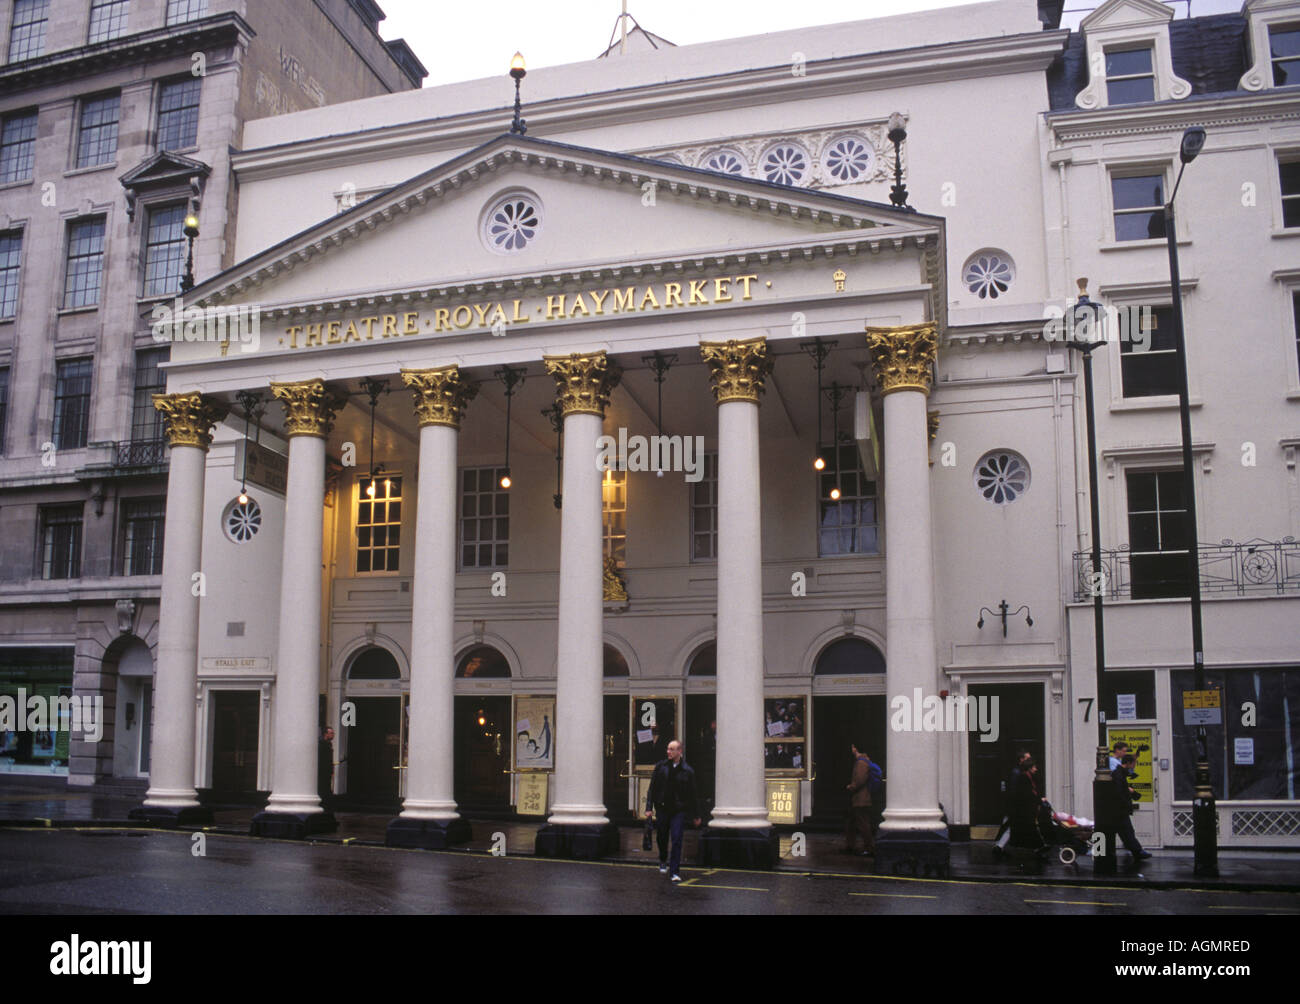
740 848
921 852
292 825
171 816
427 834
577 841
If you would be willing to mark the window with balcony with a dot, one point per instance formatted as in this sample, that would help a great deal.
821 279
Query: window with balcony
180 11
1130 76
164 250
17 147
85 264
1158 534
848 524
178 114
142 536
27 35
146 420
484 519
108 19
1148 352
379 523
11 253
97 133
1138 202
1284 54
704 512
613 508
60 542
72 403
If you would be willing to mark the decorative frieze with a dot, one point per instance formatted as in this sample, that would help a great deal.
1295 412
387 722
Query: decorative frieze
441 395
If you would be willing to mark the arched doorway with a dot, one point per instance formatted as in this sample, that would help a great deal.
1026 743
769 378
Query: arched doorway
133 718
375 729
701 725
846 717
484 734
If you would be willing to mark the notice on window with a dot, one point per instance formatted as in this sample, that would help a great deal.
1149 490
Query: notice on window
1126 706
645 736
1243 752
1202 707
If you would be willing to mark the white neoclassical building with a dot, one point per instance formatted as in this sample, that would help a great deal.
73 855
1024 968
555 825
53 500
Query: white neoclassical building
387 514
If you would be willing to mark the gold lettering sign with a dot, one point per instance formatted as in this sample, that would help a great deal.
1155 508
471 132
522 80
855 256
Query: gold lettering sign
496 315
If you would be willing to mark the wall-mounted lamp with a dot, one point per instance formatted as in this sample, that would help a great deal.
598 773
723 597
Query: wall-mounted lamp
1003 607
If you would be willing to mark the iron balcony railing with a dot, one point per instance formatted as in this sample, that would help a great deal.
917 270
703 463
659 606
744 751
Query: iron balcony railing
141 453
1253 567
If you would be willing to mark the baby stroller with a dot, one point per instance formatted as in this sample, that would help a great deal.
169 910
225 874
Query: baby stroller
1071 835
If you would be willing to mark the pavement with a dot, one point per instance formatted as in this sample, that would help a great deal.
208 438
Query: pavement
37 801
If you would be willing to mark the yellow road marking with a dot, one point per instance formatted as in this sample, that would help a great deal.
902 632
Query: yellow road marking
697 884
894 895
1262 906
1074 902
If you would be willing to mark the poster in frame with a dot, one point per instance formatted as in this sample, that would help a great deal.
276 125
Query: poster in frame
534 747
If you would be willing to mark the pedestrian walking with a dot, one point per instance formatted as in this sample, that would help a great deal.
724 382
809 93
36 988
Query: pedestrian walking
1026 804
1126 797
325 765
859 820
672 800
1008 788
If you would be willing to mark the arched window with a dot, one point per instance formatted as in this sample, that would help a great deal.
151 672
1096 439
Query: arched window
483 661
615 664
849 656
374 664
705 661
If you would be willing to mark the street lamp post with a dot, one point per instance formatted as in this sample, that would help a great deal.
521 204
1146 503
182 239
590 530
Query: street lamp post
191 230
1204 811
1085 336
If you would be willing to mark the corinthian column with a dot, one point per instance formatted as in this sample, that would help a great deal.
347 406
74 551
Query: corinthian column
294 808
739 833
903 361
429 818
171 797
578 826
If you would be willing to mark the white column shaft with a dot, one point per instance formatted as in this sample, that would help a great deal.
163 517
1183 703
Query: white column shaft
579 707
171 775
297 674
741 798
430 775
909 611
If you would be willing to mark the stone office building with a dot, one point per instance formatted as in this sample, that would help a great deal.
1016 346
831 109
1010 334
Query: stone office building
117 121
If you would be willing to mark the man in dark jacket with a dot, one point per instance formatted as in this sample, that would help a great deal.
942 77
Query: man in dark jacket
671 799
860 806
1125 797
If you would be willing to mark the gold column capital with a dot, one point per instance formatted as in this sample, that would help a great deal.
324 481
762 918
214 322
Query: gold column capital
738 369
189 418
309 407
583 382
903 357
441 395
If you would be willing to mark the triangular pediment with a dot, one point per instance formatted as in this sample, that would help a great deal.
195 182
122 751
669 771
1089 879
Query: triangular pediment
163 168
1126 14
594 211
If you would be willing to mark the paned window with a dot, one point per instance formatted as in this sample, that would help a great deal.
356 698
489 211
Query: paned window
164 250
1295 309
60 543
85 263
1158 534
146 420
97 136
180 11
178 114
72 403
17 147
1130 77
1139 207
484 519
613 508
379 524
142 536
1289 173
851 523
1284 54
108 19
704 512
4 405
1148 352
27 36
11 253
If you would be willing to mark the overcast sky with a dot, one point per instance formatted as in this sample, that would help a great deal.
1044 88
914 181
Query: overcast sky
466 41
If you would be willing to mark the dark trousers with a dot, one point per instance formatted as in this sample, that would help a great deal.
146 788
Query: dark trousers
1124 830
670 827
859 822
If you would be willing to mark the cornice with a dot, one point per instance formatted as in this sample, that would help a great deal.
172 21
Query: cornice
1165 116
849 74
998 333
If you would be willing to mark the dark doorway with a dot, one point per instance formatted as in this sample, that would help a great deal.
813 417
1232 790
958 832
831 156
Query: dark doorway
374 750
702 745
1019 714
483 738
234 741
616 757
838 723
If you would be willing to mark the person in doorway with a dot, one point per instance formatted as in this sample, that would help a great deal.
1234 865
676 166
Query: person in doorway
1126 798
672 800
1008 789
1117 754
859 820
325 765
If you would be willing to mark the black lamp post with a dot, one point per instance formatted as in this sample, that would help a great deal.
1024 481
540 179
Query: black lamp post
898 133
1084 335
518 71
191 231
1205 859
